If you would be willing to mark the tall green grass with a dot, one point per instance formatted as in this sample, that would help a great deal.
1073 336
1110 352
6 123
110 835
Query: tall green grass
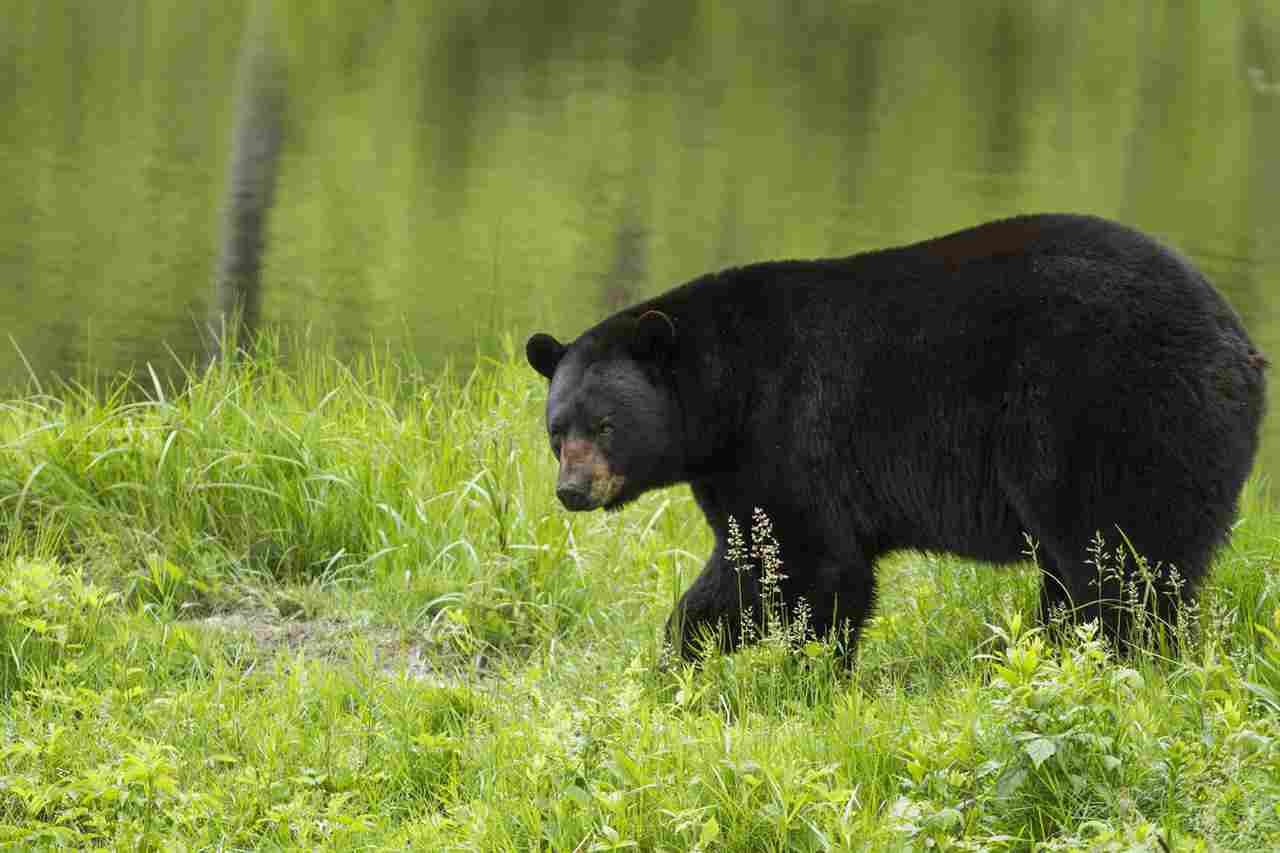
301 604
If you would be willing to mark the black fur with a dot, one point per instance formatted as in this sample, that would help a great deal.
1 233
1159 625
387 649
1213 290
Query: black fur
1054 375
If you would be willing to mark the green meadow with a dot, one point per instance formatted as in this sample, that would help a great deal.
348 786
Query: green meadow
303 603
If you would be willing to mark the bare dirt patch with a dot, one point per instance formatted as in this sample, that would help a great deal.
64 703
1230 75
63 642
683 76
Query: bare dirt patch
338 640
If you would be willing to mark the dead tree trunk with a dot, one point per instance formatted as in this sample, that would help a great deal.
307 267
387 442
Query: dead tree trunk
251 179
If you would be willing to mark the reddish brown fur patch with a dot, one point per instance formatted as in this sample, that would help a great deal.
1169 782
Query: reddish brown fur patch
986 241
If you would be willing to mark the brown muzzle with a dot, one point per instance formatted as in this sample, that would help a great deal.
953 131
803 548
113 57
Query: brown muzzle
586 481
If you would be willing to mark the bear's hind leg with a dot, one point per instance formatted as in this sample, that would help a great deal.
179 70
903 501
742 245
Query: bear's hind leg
1135 595
1080 594
1056 599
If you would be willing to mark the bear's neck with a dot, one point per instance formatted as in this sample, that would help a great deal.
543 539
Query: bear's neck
719 347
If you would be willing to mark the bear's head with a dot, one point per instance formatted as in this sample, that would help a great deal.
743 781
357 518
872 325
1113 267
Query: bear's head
613 415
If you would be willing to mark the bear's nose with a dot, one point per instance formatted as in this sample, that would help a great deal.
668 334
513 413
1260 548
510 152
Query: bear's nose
573 497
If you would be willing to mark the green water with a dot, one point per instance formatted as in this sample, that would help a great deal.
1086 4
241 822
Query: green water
455 170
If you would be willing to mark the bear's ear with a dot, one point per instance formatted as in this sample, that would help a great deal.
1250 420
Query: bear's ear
544 353
655 337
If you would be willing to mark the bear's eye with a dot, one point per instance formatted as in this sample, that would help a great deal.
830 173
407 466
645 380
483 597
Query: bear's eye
604 429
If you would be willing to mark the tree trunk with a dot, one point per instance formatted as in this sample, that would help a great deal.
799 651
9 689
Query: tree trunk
250 188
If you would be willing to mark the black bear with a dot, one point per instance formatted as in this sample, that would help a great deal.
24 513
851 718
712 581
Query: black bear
1052 376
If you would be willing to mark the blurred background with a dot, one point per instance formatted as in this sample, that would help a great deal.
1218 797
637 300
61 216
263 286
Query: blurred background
444 173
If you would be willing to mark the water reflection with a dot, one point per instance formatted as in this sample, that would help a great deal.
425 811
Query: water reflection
452 171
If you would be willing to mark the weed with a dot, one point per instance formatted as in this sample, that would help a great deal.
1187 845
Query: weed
304 604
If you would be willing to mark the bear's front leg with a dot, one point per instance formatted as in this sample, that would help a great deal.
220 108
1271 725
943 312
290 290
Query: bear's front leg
711 610
840 593
837 596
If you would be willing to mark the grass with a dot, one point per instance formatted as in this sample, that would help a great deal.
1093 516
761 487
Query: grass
324 606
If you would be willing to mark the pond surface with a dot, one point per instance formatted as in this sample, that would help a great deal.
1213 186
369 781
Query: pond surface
455 172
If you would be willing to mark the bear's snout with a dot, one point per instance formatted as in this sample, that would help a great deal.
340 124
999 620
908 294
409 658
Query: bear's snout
586 480
573 496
